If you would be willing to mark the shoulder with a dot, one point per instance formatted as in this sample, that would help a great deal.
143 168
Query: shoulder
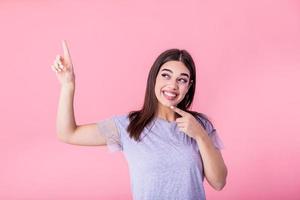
121 119
203 119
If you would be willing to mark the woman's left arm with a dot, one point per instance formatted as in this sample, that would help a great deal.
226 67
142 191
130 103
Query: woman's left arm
214 167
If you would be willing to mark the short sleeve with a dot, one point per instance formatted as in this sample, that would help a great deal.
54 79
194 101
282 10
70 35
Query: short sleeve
212 133
109 130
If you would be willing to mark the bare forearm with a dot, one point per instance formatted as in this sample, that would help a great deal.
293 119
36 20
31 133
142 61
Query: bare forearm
65 122
214 167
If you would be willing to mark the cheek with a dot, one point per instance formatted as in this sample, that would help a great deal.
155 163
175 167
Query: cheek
183 90
158 84
157 87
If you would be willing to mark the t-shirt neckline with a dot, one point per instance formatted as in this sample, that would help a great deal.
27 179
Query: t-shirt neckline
165 121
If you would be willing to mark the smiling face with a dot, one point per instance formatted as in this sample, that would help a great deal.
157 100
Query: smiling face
172 83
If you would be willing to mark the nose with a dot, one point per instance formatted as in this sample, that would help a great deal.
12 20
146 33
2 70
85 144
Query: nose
173 84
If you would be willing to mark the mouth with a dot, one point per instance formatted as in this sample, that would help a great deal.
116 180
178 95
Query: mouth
169 95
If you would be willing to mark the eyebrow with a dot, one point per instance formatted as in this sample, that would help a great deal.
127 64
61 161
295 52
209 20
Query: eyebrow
182 74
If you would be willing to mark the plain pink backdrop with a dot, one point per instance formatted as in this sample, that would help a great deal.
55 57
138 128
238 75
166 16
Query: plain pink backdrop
247 54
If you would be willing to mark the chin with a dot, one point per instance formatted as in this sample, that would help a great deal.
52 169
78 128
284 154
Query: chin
168 104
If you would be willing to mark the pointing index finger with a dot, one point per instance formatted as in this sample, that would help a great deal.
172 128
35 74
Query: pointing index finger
67 55
179 111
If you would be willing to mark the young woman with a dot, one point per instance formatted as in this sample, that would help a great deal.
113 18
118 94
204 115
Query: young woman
169 149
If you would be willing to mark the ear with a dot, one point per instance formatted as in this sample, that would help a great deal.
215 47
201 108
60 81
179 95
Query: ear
191 83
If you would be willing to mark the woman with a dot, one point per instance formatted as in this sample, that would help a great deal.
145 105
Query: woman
169 149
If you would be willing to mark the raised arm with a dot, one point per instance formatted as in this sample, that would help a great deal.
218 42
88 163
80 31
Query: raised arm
66 128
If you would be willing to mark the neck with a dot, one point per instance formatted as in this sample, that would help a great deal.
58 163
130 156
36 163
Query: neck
165 113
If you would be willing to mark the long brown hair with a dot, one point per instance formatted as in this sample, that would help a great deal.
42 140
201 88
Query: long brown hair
141 118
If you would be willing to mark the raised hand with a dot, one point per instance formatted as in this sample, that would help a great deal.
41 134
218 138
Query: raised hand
188 124
63 66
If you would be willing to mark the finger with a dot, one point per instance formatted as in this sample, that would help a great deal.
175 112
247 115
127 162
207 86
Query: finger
58 57
56 62
54 68
182 129
180 120
59 64
67 56
179 111
56 65
181 124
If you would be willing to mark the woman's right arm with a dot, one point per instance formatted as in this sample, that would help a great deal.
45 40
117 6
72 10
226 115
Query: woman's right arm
67 129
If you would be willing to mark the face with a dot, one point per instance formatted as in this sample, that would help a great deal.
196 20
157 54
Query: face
172 83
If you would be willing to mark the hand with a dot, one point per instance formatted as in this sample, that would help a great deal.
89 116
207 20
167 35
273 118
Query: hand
188 124
63 66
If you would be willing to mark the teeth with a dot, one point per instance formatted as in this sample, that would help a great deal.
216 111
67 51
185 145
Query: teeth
170 94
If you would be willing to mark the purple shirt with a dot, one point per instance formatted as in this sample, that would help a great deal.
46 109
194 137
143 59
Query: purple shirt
165 164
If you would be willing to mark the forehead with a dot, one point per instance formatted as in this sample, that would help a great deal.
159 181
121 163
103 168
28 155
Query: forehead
175 66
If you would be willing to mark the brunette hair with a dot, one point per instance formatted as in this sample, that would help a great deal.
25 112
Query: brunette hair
141 118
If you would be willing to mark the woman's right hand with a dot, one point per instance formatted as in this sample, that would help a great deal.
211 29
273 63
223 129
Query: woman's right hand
63 67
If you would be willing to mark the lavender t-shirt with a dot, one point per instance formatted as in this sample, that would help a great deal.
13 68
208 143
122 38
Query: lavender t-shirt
165 164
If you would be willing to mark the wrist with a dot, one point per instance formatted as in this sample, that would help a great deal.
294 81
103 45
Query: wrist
68 86
200 136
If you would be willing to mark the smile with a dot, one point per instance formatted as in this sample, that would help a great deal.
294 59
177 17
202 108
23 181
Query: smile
170 95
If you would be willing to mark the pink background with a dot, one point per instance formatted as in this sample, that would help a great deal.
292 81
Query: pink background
247 54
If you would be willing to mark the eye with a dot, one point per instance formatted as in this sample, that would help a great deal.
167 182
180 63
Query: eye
165 75
183 80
